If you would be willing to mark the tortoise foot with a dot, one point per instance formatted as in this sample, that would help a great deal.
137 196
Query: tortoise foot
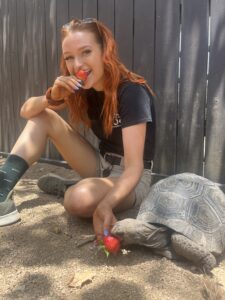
193 252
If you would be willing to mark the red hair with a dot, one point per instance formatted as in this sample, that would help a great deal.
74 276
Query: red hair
115 73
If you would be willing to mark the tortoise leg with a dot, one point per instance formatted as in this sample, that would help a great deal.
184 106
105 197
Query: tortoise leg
157 238
168 252
193 252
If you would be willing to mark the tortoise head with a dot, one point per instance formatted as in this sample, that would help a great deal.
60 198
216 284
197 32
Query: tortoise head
138 232
126 231
132 231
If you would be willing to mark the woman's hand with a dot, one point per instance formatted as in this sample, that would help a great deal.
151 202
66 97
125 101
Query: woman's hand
103 219
65 86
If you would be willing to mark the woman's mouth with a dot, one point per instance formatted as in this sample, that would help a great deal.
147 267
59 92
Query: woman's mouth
82 75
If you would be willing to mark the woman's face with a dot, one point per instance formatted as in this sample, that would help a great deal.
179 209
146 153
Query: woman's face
82 52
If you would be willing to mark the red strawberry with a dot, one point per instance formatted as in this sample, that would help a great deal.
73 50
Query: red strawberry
111 243
81 74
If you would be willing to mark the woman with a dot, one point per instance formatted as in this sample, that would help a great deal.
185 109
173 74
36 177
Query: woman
115 103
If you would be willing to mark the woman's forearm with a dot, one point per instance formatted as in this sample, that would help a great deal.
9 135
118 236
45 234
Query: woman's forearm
124 186
33 106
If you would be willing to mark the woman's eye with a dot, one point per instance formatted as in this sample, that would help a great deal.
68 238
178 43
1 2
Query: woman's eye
68 58
86 52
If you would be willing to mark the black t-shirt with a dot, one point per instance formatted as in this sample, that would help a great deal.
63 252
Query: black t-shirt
135 106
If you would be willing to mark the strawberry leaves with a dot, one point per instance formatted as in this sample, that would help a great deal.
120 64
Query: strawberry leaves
101 247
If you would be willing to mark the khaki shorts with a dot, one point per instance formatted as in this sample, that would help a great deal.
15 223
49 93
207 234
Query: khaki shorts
106 169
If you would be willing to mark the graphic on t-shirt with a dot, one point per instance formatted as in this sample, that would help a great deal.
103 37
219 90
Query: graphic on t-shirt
116 121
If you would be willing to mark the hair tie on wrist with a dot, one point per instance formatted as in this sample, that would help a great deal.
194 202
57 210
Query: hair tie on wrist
50 100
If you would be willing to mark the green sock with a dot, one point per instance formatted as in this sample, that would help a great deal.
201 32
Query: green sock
10 173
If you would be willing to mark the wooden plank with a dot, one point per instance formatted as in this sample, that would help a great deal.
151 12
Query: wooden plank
62 17
8 125
215 121
194 51
75 9
52 66
90 9
2 81
35 30
166 84
51 41
124 30
42 63
56 15
22 53
106 13
2 78
144 38
14 96
11 88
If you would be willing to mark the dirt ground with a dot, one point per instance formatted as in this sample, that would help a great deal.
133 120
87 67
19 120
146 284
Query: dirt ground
41 257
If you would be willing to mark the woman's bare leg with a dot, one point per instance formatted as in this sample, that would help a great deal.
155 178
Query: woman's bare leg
82 199
72 146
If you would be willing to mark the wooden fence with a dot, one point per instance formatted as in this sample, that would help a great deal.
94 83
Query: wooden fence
179 46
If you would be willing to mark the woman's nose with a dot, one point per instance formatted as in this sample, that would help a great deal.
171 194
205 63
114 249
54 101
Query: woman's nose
77 64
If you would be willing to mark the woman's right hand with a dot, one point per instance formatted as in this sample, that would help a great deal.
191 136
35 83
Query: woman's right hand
65 86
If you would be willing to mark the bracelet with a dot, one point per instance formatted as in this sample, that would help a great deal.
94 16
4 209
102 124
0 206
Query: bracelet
50 100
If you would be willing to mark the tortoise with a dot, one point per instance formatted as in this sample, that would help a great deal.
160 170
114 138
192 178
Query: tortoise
182 216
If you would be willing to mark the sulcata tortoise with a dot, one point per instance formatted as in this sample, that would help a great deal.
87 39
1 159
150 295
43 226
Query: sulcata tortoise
182 216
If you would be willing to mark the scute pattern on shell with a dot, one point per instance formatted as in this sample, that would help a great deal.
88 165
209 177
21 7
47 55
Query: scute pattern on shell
191 205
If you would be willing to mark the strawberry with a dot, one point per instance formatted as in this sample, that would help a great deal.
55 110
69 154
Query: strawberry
111 243
82 75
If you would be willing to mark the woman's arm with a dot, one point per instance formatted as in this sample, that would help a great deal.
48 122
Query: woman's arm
35 105
63 86
133 143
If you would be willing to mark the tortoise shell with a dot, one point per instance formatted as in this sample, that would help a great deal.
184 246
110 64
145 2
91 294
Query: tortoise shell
191 205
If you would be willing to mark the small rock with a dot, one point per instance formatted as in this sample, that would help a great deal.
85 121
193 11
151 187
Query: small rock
125 252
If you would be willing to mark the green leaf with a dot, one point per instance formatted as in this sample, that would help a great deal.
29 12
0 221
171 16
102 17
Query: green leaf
106 253
101 247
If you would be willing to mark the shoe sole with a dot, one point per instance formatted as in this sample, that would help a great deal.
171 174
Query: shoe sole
10 218
54 184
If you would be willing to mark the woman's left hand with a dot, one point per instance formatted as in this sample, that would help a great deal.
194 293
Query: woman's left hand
103 219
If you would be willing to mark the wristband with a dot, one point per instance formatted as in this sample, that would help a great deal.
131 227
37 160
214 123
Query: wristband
50 100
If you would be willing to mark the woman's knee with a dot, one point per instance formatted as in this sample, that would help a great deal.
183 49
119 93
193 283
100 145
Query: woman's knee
46 116
48 120
79 201
42 120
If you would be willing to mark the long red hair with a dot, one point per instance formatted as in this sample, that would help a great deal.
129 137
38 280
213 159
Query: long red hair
115 73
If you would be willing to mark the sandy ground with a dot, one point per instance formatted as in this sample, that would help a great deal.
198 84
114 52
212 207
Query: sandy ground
41 258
